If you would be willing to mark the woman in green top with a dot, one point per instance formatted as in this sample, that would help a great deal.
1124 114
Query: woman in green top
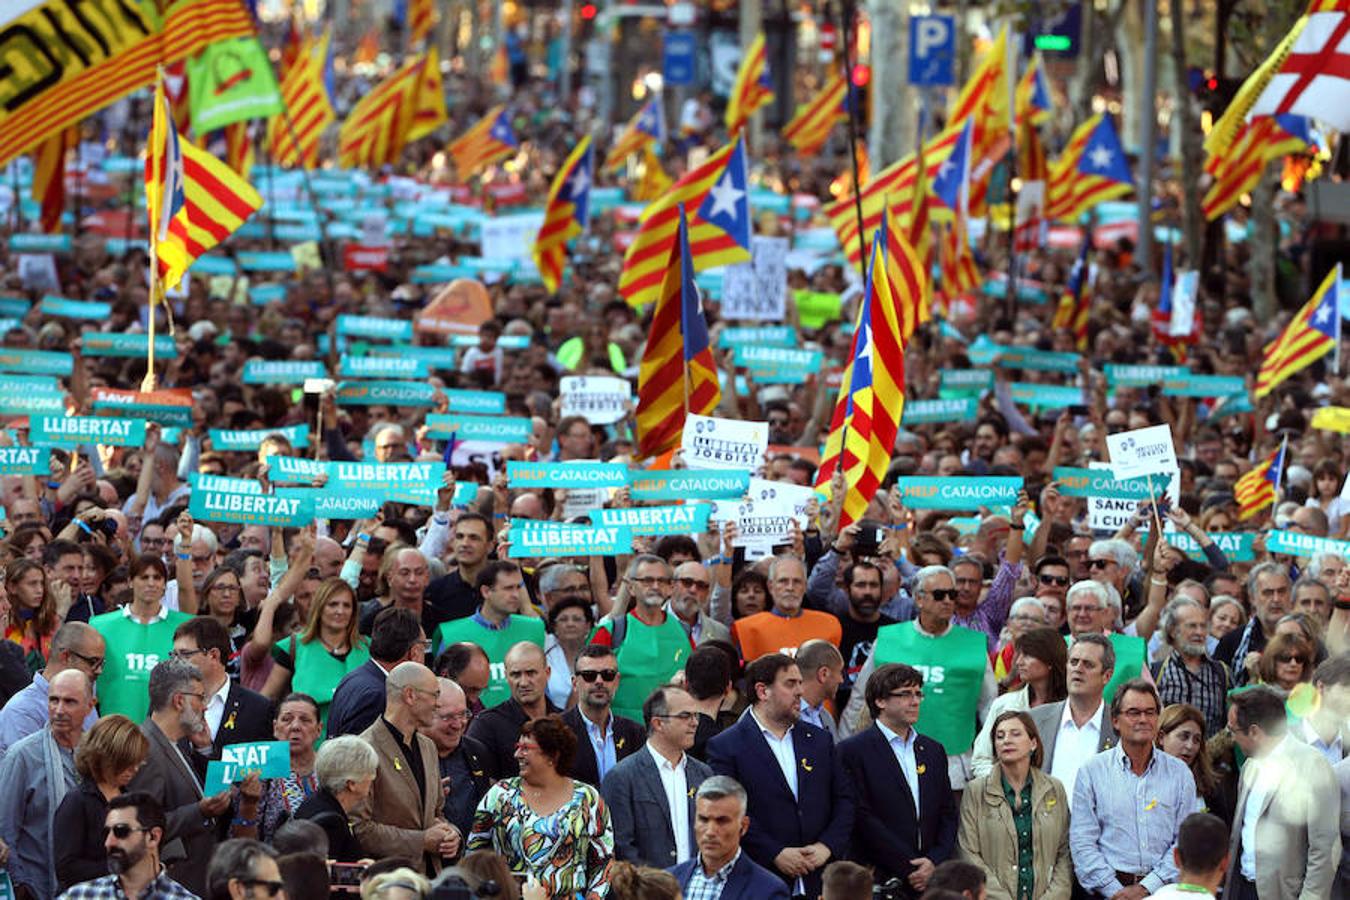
315 660
1015 820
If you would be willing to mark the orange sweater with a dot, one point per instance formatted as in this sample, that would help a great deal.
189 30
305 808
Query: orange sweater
768 632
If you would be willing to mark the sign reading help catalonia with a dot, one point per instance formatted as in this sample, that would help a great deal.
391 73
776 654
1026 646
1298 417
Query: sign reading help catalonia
958 492
567 475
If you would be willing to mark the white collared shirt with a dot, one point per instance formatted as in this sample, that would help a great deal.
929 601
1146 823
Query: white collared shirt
215 708
675 784
1334 752
903 748
782 750
1265 778
1074 746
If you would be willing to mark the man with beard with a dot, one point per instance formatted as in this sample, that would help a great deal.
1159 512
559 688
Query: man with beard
690 604
603 739
177 711
1189 674
650 643
862 583
135 830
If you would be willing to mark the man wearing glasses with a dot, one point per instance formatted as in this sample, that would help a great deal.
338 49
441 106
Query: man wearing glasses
603 739
74 646
132 835
693 585
463 766
651 644
245 869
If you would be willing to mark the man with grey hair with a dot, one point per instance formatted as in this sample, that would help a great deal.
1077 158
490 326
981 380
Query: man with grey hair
1314 598
958 684
693 587
719 824
460 758
1326 568
390 443
1188 674
1116 563
1094 608
239 867
1077 728
1268 593
650 643
158 486
402 817
785 626
177 711
74 646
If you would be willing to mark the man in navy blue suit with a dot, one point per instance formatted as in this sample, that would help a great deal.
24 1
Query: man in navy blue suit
720 871
901 834
801 800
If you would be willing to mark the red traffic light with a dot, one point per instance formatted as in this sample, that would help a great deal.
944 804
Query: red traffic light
1212 84
588 11
861 75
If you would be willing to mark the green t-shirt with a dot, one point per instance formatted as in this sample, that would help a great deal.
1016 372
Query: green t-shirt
133 650
315 670
648 657
1130 654
495 643
953 672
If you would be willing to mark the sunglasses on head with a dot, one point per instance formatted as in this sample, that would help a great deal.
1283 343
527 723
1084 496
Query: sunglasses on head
943 594
607 674
1054 579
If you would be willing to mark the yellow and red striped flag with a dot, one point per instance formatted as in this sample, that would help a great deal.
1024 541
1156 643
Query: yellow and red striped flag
309 106
960 274
903 267
986 100
421 19
677 375
753 87
872 396
487 142
1237 171
920 235
1255 490
1091 170
1072 312
408 104
49 178
647 126
565 214
239 154
719 227
1033 94
1314 332
810 128
654 181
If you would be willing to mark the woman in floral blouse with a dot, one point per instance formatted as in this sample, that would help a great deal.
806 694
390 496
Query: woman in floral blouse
547 825
262 809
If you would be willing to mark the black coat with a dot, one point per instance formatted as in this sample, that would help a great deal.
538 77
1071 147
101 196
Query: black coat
80 854
629 737
498 729
358 700
474 755
323 809
14 674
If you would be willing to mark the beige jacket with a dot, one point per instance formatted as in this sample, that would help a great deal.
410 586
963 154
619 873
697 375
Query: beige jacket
394 816
988 839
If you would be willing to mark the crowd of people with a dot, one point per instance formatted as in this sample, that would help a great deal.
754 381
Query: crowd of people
1021 704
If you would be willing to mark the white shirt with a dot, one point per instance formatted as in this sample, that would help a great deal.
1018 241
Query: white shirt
1334 752
1074 746
1264 780
1172 892
675 783
903 748
782 750
215 708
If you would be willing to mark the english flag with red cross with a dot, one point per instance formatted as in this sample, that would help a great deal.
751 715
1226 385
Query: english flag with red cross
1314 79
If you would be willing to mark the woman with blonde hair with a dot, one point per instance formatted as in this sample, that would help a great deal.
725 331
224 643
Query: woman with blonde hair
1181 733
318 657
400 884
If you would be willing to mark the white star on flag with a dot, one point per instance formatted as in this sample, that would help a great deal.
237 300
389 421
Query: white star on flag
866 351
579 181
1100 157
725 197
1323 313
946 168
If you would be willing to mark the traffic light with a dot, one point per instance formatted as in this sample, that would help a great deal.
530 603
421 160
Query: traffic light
587 11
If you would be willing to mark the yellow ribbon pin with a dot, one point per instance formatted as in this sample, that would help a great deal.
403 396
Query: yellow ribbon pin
619 743
1150 805
397 765
805 766
922 768
1050 802
229 723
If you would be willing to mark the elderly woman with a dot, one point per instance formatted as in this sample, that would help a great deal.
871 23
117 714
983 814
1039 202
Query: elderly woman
1042 665
400 884
345 767
108 756
1025 613
1015 820
261 807
1287 661
1188 674
547 825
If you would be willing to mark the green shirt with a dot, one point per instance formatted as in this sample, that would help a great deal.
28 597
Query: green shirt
648 657
315 670
495 643
133 650
953 667
1022 817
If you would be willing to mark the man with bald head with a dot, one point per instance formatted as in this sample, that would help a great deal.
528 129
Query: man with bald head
74 646
499 727
328 557
398 818
461 758
37 773
689 602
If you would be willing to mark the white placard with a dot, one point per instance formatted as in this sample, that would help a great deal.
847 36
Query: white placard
1109 514
373 230
584 502
1183 303
601 399
757 290
712 443
489 453
1144 451
764 516
38 273
510 237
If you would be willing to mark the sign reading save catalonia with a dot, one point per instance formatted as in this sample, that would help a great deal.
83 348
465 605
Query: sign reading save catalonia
73 430
958 492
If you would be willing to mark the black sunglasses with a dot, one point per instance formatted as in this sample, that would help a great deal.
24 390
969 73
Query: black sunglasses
590 676
271 887
1054 579
122 830
943 594
1099 563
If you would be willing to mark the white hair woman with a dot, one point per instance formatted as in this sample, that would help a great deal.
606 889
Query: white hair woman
346 768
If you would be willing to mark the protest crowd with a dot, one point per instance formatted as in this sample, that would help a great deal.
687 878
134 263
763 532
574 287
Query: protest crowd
464 562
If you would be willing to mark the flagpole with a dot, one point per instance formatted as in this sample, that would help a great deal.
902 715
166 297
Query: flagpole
846 34
148 382
1011 301
1336 362
18 200
79 182
271 191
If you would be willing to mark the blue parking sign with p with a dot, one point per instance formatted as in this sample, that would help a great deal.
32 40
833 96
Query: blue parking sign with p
932 51
679 59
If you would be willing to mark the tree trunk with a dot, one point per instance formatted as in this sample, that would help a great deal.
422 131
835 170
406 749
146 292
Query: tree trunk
893 110
1264 241
1188 144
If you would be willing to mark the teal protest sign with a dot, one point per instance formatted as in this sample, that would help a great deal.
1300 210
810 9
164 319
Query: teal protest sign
690 518
575 540
434 357
296 469
263 294
36 362
1232 405
401 482
374 327
282 371
1038 360
337 504
214 265
66 308
17 403
1118 376
778 365
393 367
223 484
170 416
386 393
274 261
506 341
1204 386
1100 483
251 509
1046 395
241 440
40 243
498 429
67 431
1238 546
958 492
32 384
766 335
689 484
14 307
98 343
270 759
959 409
966 380
486 402
1295 543
25 460
566 475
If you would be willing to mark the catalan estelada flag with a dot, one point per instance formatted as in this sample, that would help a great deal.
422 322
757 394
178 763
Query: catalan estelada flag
1314 332
1072 312
1033 94
648 126
986 100
919 235
753 87
677 375
566 213
960 274
490 140
719 228
1092 169
654 181
407 105
421 17
903 267
872 396
1256 490
49 178
311 109
1031 228
194 200
1237 171
810 128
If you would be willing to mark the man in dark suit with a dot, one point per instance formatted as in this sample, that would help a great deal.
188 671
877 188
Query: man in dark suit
719 824
906 819
603 739
801 801
358 699
234 714
498 729
177 705
464 778
651 793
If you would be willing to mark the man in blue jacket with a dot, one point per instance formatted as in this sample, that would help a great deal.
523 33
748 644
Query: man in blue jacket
720 869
